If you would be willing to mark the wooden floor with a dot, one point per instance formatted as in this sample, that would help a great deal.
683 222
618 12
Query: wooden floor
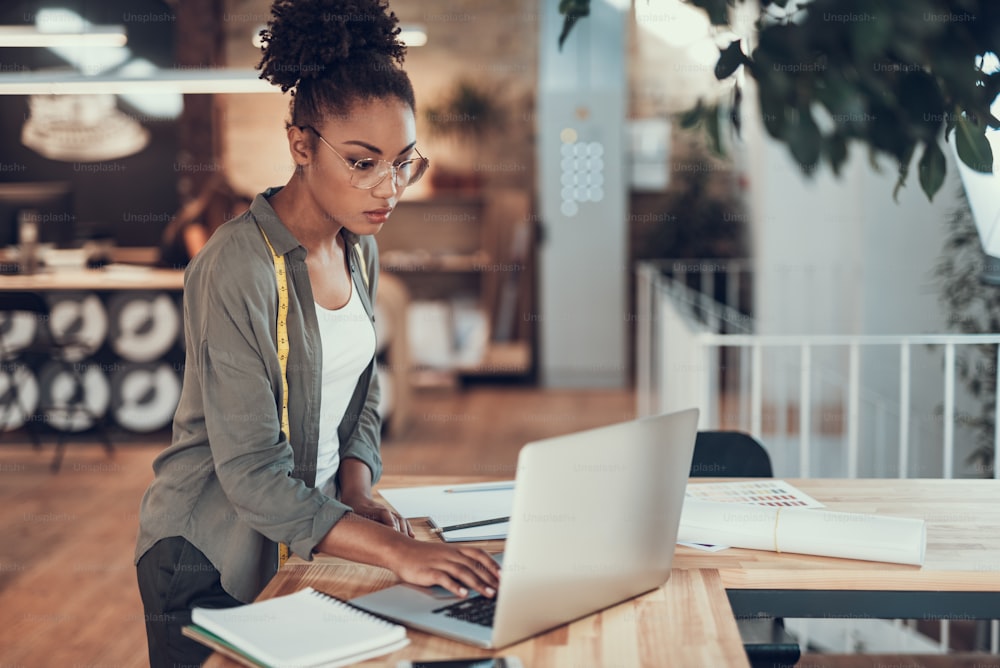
67 584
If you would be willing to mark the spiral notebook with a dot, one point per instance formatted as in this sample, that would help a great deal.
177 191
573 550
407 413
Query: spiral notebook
307 628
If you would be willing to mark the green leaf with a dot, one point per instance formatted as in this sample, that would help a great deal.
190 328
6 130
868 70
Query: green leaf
803 138
835 149
573 10
932 169
772 110
714 131
692 117
973 146
735 113
900 182
904 171
730 60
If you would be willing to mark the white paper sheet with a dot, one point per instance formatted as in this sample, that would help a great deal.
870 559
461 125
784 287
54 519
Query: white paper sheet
763 492
468 503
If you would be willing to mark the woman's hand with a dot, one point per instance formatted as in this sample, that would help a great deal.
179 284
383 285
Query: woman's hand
369 508
457 569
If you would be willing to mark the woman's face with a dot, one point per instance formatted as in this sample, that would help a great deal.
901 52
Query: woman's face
382 129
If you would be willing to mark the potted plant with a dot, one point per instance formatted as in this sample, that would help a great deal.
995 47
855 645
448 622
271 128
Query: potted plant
462 121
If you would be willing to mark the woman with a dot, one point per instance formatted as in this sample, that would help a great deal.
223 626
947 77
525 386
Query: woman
234 485
189 230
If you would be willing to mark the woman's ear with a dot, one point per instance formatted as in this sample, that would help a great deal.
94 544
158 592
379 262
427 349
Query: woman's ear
300 145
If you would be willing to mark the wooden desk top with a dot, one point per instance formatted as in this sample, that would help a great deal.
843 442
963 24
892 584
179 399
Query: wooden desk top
689 619
963 541
113 277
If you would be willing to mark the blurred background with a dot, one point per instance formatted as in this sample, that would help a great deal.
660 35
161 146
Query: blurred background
594 241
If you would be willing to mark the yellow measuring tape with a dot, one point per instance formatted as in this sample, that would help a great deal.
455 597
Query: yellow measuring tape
282 279
361 261
281 276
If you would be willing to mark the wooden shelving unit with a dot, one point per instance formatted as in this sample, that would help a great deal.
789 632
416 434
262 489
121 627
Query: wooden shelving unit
474 248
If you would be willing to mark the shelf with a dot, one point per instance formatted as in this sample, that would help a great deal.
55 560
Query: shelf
501 359
112 277
420 261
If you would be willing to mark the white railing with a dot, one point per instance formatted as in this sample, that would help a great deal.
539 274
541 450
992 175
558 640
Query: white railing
682 359
684 337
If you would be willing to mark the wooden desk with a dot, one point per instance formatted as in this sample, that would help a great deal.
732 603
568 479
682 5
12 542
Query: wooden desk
960 578
687 622
124 277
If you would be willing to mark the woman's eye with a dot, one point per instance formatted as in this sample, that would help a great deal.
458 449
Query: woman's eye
364 165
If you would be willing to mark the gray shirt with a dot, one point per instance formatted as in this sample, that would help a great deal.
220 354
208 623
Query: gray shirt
231 482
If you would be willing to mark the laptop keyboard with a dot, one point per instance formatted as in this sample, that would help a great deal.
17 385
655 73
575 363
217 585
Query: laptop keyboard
478 610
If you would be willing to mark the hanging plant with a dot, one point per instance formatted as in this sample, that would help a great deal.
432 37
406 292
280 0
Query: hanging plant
899 76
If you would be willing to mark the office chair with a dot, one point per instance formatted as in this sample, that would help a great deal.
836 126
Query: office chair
61 350
729 454
733 454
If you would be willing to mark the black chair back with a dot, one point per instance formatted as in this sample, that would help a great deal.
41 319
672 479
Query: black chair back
729 454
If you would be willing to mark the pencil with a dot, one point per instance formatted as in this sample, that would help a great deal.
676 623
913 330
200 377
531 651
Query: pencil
489 488
469 525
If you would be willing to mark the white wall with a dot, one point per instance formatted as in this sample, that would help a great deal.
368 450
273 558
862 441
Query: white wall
839 256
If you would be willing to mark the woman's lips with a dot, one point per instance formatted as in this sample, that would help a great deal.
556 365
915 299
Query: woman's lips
378 215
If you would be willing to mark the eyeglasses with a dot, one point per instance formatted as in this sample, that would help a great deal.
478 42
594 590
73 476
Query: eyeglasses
367 173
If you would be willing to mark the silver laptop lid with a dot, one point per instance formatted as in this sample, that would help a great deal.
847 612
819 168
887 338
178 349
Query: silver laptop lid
594 521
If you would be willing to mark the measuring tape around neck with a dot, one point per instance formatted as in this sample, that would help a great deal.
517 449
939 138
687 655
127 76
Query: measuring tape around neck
281 277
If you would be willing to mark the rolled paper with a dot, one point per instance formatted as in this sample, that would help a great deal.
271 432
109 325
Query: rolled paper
901 540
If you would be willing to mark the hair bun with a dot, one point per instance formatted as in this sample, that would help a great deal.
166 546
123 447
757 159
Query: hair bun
307 38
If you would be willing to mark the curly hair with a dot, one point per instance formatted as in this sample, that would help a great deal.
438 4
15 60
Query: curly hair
332 54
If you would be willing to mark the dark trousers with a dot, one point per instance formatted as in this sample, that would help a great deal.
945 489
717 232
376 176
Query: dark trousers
174 576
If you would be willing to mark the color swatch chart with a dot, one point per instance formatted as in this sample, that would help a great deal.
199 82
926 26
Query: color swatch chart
774 493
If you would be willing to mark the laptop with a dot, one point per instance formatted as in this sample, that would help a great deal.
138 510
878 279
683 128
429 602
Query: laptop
594 522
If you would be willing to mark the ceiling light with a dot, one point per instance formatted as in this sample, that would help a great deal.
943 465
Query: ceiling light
413 35
29 36
225 80
81 128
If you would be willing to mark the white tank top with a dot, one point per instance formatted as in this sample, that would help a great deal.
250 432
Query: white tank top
348 339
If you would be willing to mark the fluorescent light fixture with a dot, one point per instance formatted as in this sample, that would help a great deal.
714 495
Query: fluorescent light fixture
413 35
221 80
58 27
162 105
29 36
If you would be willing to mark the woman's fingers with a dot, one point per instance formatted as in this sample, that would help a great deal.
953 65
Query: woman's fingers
471 573
456 569
385 516
486 562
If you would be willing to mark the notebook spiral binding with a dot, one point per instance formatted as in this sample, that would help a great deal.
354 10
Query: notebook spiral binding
344 604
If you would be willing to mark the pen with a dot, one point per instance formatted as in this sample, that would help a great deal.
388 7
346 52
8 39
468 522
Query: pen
469 525
490 488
